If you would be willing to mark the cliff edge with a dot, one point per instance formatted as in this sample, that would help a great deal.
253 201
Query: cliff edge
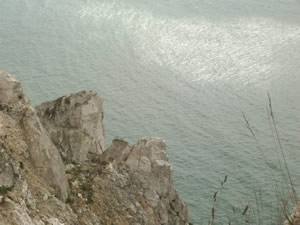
55 170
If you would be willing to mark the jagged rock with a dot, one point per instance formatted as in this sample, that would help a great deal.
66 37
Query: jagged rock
149 162
147 165
24 202
124 185
15 214
117 153
43 154
75 124
7 175
11 91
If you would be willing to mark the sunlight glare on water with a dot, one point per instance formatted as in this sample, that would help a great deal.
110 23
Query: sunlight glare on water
202 50
181 70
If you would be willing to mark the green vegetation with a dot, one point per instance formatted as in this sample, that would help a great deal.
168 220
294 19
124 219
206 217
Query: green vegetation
5 189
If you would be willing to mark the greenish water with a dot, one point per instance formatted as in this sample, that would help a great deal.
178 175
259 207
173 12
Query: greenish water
181 70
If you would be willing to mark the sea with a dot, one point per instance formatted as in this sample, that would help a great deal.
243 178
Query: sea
196 73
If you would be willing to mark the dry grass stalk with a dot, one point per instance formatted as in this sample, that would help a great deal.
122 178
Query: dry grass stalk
245 210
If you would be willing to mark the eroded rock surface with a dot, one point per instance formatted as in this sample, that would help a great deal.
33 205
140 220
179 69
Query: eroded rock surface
41 151
75 125
150 172
23 186
11 91
124 185
127 185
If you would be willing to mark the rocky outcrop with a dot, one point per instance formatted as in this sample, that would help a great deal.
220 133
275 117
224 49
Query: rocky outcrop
123 185
147 168
115 189
150 173
75 125
11 91
117 153
42 152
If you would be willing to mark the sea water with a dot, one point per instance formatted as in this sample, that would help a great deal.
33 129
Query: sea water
181 70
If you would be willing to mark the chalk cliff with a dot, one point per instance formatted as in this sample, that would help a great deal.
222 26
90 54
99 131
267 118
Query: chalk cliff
55 170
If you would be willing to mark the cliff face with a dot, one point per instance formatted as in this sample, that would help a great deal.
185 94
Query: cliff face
36 143
54 168
74 124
